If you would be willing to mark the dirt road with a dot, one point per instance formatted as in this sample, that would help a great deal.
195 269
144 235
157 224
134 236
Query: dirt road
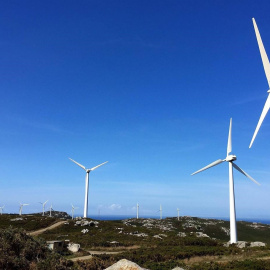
57 224
88 257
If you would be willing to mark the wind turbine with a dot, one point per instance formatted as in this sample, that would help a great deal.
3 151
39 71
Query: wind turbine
72 209
51 210
266 66
137 210
85 212
43 207
177 213
1 209
21 207
230 158
160 210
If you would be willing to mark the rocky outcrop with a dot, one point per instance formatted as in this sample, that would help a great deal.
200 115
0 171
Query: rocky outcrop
125 265
243 244
73 247
257 244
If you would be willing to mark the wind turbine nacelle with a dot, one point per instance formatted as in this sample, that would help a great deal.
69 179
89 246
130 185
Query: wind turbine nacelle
231 158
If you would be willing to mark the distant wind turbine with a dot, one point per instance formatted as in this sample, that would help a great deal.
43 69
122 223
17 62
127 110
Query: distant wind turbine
177 213
43 207
72 210
85 212
137 210
266 66
51 210
1 209
230 158
21 207
160 211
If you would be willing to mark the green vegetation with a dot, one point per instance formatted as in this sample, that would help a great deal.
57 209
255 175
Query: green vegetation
20 251
26 222
191 243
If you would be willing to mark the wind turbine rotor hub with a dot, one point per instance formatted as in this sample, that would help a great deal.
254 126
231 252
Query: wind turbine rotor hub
268 91
231 158
88 171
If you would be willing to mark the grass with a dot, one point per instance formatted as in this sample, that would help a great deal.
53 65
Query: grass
165 251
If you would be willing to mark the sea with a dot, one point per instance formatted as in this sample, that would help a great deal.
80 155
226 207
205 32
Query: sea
121 217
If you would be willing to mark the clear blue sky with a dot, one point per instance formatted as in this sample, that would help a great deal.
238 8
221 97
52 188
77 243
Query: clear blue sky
149 86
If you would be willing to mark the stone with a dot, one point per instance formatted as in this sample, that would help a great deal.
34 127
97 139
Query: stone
73 247
257 244
125 265
241 244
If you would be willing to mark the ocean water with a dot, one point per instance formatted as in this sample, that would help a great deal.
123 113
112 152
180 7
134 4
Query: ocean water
121 217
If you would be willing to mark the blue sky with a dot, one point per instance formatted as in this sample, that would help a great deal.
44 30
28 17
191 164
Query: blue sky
149 86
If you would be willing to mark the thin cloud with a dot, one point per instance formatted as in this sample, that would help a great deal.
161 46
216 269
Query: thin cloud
248 100
115 206
39 125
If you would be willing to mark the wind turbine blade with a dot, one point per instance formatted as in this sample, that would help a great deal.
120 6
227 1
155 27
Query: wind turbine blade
229 146
244 173
77 163
264 57
209 166
264 112
46 201
98 166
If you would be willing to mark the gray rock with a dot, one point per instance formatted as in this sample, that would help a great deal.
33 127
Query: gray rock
241 244
125 265
73 247
257 244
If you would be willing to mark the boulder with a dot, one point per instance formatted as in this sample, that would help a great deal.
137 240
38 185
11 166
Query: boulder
241 244
73 247
125 265
257 244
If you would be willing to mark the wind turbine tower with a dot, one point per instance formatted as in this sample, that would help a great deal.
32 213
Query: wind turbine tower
51 210
43 207
72 210
266 66
21 207
230 159
1 209
137 210
177 213
85 212
160 210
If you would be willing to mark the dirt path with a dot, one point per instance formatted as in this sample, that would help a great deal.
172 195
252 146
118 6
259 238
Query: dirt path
225 258
57 224
83 258
98 252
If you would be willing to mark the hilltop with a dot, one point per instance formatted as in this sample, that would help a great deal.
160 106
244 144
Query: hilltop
155 244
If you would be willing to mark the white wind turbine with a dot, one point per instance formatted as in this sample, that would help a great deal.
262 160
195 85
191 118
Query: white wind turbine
1 209
51 210
230 158
177 213
72 210
266 66
21 207
85 212
160 211
137 210
43 207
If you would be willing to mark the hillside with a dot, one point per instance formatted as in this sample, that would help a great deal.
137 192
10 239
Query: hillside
157 244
